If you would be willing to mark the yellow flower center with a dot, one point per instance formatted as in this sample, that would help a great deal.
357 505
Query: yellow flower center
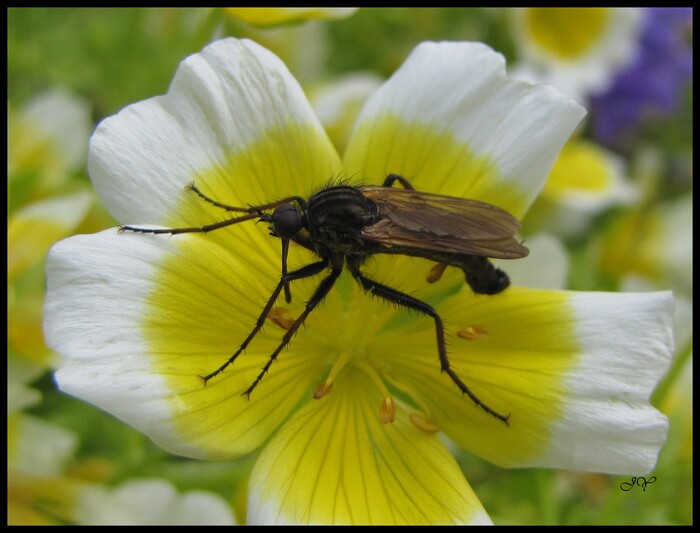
387 408
353 333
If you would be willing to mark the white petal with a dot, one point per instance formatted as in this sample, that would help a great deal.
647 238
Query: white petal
221 102
64 120
101 333
608 424
139 317
460 92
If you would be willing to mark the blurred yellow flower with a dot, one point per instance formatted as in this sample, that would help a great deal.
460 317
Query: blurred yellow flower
586 179
268 16
47 141
654 242
339 102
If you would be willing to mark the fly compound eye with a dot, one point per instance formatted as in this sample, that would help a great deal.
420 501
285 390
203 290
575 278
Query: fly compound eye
286 221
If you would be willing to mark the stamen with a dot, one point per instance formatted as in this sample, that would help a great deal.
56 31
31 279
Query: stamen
423 423
410 392
474 332
325 388
281 316
387 409
322 390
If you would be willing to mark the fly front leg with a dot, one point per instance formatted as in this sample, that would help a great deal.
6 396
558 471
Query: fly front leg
317 297
303 272
252 212
196 229
249 209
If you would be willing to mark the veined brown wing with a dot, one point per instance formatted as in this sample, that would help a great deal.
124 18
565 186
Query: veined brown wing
442 223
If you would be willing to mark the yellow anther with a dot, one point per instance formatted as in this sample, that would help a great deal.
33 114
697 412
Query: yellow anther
423 423
322 390
474 332
387 410
326 387
281 316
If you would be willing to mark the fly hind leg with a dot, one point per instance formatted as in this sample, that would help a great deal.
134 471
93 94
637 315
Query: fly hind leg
404 300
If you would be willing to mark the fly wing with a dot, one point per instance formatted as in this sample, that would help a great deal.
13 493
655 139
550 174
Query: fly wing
442 223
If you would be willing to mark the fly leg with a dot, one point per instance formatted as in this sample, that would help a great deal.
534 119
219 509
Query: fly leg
317 297
303 272
391 178
249 209
252 212
404 300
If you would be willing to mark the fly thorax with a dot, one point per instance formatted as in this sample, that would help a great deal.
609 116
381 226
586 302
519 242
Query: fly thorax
337 214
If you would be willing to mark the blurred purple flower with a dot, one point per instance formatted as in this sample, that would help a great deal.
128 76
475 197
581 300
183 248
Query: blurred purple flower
652 84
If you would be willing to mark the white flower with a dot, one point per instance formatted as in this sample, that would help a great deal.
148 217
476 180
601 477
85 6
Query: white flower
151 502
347 418
575 49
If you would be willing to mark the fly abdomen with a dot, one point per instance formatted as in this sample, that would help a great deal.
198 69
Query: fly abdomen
482 276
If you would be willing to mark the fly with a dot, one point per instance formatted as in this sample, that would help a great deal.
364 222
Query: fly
343 225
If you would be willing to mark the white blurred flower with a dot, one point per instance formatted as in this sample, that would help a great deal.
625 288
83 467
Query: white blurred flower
338 104
41 448
575 49
47 144
654 243
585 180
151 502
20 372
48 135
35 227
33 445
546 267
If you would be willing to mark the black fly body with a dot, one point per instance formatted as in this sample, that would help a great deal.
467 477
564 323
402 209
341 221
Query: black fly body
344 225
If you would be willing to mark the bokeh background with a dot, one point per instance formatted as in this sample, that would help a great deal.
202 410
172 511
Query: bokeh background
615 215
